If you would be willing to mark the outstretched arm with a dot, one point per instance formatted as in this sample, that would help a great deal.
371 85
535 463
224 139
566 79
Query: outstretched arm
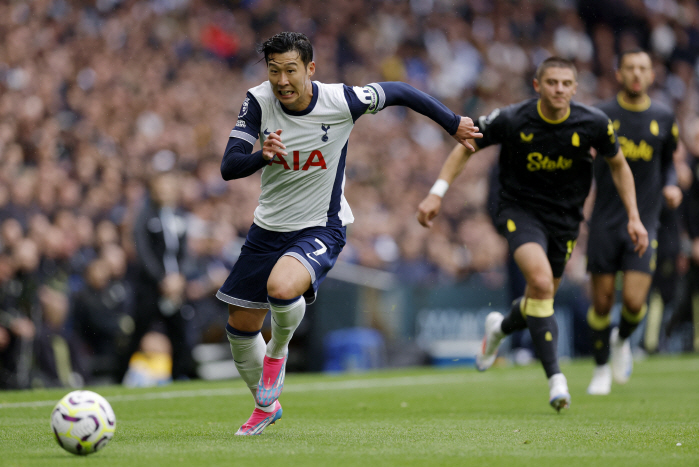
376 96
398 93
623 180
431 205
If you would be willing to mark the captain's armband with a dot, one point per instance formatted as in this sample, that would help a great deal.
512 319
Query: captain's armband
372 95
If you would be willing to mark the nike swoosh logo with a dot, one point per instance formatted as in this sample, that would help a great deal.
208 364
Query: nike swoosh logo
312 258
266 132
319 251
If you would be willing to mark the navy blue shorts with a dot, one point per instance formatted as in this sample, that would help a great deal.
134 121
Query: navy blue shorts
317 248
610 250
519 226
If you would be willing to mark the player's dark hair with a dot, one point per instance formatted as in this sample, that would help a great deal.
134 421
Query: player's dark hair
286 42
632 51
555 62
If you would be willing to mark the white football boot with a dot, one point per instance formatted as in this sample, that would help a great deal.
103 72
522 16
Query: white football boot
601 383
491 341
559 397
622 359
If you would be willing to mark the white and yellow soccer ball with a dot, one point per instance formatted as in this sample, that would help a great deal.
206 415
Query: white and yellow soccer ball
83 422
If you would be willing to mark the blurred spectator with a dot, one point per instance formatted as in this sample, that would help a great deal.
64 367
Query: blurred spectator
101 317
687 310
667 273
160 234
59 361
152 364
16 330
10 234
206 271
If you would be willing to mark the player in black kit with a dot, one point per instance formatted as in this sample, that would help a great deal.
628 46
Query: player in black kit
545 175
647 134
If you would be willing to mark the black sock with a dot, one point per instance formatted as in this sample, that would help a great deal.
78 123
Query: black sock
629 321
544 332
515 320
600 345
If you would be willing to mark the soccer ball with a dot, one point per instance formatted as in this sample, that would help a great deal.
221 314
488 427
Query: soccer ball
83 422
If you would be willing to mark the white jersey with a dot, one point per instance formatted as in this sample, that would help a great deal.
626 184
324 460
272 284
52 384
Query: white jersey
306 187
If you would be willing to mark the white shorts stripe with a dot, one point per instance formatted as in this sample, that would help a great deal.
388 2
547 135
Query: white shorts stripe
242 303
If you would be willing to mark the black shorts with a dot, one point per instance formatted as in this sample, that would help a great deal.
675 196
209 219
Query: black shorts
520 225
610 249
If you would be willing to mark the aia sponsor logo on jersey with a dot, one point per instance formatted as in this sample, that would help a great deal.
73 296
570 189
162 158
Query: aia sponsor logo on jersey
315 159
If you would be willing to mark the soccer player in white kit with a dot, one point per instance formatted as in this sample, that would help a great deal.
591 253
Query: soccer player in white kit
299 226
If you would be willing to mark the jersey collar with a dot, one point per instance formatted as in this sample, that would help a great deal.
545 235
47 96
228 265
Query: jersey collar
308 109
633 107
548 120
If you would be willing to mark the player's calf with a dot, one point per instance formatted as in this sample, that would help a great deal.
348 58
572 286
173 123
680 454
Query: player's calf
544 331
630 319
600 327
248 350
515 320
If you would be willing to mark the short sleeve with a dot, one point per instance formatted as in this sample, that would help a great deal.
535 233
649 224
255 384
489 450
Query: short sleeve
493 127
247 127
605 141
358 100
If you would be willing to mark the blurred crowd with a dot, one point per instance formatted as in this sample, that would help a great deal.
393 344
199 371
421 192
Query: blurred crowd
100 98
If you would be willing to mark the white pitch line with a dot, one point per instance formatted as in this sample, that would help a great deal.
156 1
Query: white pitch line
303 387
424 380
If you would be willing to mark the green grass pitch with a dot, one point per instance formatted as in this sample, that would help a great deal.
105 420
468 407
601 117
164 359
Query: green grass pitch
418 417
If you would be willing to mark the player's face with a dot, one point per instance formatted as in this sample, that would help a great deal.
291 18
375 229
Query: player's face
291 80
556 87
635 74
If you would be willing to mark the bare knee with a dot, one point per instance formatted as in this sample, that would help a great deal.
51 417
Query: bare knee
634 304
540 286
289 279
603 303
281 289
636 286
